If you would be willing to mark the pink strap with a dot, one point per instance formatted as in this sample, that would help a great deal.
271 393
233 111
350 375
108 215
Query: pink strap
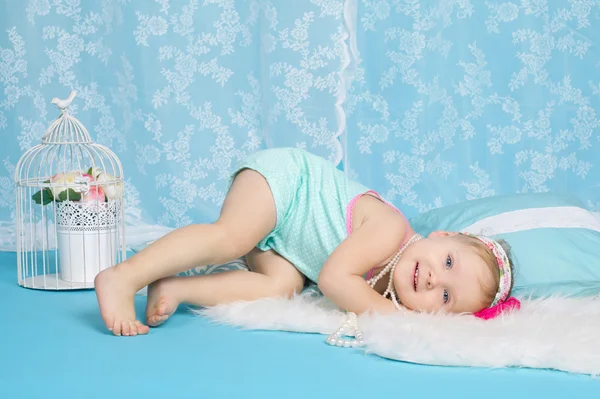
370 274
350 209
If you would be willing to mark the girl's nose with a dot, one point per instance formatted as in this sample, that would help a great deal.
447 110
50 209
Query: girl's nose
431 280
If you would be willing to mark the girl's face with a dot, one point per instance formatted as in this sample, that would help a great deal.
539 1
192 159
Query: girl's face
441 272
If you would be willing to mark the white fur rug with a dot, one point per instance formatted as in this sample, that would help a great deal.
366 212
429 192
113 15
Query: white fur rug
555 333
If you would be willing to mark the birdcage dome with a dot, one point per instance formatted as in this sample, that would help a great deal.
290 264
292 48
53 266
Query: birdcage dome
66 146
69 216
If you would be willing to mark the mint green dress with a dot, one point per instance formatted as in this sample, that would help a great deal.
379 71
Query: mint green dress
312 198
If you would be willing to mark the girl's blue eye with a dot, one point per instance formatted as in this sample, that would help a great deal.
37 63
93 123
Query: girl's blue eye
448 262
446 296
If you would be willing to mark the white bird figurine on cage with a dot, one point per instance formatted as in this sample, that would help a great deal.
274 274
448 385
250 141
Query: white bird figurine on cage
64 104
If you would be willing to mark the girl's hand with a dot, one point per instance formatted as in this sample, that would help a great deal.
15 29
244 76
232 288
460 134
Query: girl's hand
341 278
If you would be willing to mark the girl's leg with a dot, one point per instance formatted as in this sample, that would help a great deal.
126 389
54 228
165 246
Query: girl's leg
247 215
270 275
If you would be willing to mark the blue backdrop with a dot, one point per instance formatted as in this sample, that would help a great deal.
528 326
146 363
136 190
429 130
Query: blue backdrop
429 102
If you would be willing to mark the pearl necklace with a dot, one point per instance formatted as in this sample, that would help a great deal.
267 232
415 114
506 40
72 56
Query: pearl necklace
350 326
391 266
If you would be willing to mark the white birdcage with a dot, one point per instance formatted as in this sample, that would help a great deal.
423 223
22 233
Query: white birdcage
69 208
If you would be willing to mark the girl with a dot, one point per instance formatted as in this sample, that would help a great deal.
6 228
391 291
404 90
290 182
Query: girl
296 217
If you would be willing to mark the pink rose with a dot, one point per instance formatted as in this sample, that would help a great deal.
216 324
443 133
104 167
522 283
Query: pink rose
112 187
94 194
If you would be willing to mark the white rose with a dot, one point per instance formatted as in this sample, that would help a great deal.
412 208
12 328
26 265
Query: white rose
112 187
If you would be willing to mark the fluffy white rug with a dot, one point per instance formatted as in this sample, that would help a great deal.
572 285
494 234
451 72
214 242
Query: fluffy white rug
554 333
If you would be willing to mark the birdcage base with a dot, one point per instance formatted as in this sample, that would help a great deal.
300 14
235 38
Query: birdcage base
53 282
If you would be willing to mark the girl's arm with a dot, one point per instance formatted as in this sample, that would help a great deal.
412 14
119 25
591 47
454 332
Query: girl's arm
341 278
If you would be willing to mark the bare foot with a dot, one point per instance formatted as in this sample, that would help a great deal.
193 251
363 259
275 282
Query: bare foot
162 302
115 298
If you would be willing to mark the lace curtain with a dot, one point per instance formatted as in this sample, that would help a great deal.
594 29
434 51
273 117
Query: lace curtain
427 102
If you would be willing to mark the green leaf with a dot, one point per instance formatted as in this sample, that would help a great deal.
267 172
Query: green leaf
37 197
47 196
89 172
43 197
69 194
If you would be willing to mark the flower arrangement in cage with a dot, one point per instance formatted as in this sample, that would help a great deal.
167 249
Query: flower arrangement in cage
106 188
85 202
60 191
69 208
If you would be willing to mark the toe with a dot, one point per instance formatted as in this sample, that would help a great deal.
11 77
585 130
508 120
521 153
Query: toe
125 328
117 327
161 309
157 320
152 320
141 329
132 328
109 323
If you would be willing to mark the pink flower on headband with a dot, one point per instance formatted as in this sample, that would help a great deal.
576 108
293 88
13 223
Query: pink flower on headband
493 311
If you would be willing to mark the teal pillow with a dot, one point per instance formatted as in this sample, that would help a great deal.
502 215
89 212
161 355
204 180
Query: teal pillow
554 240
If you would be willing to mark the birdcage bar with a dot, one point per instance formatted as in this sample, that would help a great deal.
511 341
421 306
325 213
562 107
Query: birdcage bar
33 240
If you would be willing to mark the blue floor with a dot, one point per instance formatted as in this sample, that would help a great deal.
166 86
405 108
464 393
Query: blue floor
53 345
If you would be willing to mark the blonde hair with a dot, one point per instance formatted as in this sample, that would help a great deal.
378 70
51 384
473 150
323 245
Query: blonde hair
489 290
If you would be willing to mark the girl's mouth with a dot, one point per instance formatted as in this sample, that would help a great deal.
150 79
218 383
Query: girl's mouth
416 276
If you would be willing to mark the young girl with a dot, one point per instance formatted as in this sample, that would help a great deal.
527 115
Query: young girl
296 217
